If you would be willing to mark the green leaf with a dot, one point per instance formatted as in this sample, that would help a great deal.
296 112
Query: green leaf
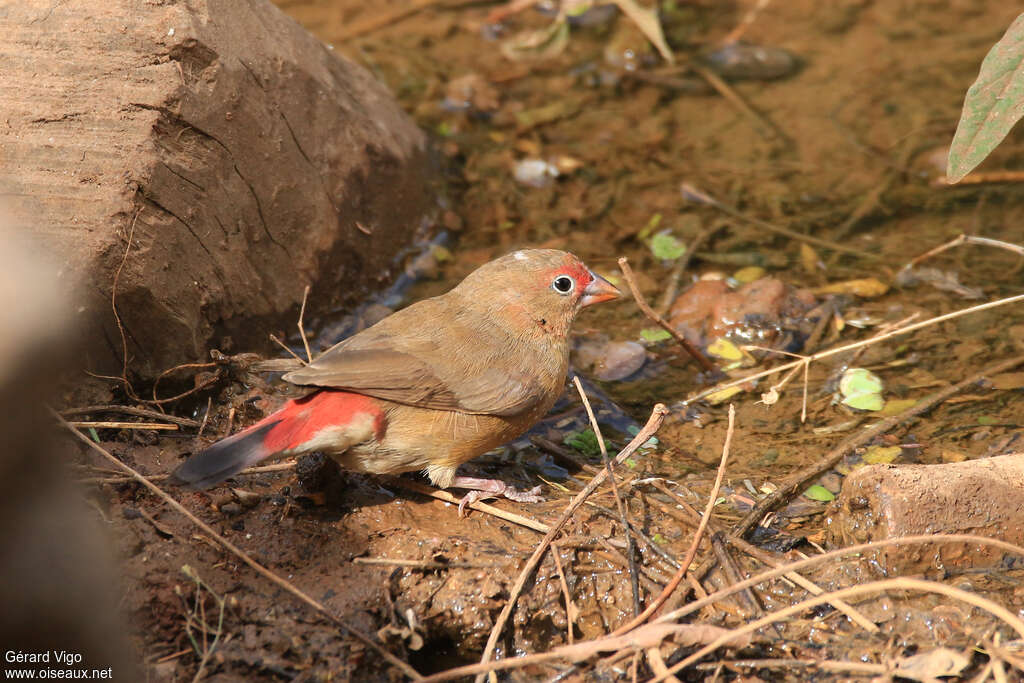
994 103
94 435
861 389
585 442
987 420
819 492
659 539
655 334
665 246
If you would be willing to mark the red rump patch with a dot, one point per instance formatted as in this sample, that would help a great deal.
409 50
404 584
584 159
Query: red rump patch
300 420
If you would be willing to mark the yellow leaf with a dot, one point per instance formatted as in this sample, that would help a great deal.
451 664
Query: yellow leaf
722 396
952 456
868 288
809 258
881 455
748 274
896 406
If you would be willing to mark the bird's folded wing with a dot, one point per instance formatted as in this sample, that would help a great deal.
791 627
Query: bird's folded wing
461 373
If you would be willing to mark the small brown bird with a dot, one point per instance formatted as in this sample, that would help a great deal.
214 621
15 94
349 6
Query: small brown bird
432 385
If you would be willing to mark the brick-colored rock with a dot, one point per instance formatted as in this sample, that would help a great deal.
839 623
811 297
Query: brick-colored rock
984 497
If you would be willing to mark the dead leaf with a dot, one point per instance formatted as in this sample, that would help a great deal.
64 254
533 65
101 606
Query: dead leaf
868 288
927 667
647 21
651 635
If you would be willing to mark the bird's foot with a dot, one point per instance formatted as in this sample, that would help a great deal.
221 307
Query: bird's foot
492 488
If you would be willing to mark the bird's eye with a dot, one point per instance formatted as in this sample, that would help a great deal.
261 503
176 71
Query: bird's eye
563 284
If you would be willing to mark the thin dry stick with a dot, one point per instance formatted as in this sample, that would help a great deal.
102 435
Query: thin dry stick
672 288
746 22
697 536
692 192
130 410
856 345
793 483
125 425
641 302
199 387
423 564
805 583
982 177
965 239
477 505
623 518
653 423
594 646
830 665
923 539
570 608
640 639
902 583
206 416
284 346
113 306
302 332
725 90
242 555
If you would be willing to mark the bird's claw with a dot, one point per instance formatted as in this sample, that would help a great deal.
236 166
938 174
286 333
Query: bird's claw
506 491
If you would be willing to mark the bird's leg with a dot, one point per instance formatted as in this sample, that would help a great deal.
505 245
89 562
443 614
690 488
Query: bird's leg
491 488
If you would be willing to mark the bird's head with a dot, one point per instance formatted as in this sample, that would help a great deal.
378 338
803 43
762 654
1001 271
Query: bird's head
535 289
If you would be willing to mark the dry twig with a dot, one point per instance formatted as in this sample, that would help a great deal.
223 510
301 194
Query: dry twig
902 583
695 194
641 302
653 423
697 535
130 410
793 483
855 345
623 518
477 505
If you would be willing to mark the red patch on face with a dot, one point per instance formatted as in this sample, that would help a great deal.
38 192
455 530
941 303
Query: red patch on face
577 271
302 419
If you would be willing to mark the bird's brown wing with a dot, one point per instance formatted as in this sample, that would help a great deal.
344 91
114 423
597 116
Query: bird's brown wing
456 368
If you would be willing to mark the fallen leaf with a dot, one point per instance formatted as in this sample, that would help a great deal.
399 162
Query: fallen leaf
994 103
867 288
647 21
722 396
809 259
897 406
748 274
861 389
927 667
881 455
665 246
655 334
819 493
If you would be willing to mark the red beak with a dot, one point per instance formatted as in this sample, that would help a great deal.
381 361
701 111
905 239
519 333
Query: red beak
598 290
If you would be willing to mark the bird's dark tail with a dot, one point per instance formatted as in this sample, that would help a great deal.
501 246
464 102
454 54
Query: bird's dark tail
225 458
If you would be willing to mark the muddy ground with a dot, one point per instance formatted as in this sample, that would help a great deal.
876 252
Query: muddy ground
846 146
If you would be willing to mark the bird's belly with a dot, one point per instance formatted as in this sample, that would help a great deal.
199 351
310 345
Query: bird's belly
418 439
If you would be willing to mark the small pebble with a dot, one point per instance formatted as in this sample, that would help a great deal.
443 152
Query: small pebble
739 61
